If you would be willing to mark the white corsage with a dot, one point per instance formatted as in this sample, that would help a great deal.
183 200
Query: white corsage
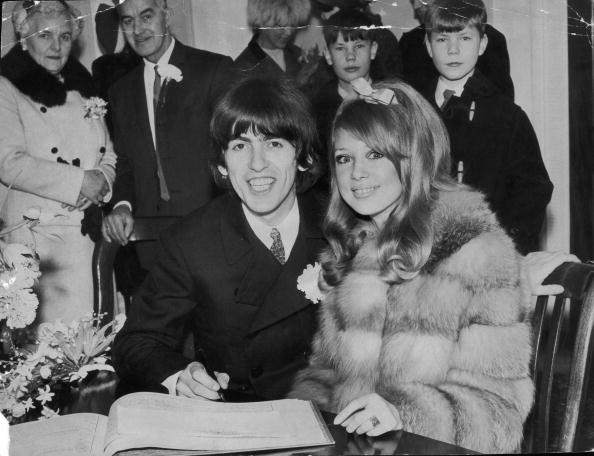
307 282
170 72
95 108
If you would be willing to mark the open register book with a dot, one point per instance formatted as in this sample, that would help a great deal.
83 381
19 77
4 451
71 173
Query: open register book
159 424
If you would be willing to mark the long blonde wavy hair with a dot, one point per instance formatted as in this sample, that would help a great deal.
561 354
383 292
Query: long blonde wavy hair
410 133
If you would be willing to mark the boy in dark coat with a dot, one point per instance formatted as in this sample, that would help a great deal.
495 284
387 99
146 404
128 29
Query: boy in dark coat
418 69
494 147
351 49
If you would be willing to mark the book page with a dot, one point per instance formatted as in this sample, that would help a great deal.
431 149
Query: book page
80 434
155 420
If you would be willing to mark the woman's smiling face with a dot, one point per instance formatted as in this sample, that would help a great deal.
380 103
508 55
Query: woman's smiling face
367 180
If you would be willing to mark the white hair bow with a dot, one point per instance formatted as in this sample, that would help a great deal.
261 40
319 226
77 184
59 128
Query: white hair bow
384 95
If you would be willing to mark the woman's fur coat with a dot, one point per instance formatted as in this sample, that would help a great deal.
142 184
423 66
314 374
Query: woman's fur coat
449 348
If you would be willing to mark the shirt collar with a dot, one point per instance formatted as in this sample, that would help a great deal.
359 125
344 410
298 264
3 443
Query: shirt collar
456 86
164 60
288 228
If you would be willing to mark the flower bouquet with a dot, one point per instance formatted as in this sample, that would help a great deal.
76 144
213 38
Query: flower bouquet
51 357
64 355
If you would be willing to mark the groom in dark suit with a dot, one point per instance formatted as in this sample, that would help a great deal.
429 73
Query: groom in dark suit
228 271
161 111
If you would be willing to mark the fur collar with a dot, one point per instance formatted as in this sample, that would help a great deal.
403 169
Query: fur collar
458 217
40 85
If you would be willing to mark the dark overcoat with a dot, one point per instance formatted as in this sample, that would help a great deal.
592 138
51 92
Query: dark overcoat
494 139
216 279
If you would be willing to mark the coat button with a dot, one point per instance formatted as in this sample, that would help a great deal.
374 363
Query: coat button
256 371
102 149
43 109
54 150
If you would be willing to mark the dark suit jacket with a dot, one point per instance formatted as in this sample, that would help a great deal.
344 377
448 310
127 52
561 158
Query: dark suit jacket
182 134
501 157
217 279
419 70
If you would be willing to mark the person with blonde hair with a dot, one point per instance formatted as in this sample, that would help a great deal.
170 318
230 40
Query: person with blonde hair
56 156
271 51
423 323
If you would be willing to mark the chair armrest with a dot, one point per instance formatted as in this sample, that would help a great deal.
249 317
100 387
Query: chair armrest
574 277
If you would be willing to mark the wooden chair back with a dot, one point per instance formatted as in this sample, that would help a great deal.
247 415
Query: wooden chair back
145 229
577 279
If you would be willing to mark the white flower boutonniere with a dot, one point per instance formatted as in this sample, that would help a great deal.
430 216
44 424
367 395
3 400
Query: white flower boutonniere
95 108
307 282
170 72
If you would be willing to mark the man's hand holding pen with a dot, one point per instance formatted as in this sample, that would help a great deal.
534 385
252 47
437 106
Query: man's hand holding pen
197 382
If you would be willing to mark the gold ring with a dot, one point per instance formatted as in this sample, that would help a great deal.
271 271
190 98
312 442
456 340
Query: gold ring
374 421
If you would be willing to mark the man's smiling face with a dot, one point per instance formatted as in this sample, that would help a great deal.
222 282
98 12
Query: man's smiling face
262 172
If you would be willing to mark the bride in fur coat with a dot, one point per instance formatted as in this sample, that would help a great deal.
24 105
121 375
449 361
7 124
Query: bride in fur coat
423 322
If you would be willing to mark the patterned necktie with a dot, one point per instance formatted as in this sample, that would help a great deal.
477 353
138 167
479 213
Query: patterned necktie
277 248
163 190
447 94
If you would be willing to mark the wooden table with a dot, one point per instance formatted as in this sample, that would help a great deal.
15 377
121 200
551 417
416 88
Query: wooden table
98 395
398 442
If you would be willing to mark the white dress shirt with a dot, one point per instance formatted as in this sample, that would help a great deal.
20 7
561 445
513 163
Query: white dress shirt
288 228
456 86
149 82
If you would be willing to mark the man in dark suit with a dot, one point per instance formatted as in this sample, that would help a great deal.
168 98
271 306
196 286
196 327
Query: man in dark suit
228 271
161 111
418 67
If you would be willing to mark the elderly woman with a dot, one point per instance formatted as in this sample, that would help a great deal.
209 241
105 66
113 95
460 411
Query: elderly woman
423 323
56 158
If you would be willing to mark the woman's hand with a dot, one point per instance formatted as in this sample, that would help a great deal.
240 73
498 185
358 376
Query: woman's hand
539 265
81 204
371 415
94 186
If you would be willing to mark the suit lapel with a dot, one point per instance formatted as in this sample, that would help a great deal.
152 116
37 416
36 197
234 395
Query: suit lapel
173 96
140 111
241 245
283 299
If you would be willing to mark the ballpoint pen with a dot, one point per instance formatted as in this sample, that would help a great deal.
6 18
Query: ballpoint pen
201 355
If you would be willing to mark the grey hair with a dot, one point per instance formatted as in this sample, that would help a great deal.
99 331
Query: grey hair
24 11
